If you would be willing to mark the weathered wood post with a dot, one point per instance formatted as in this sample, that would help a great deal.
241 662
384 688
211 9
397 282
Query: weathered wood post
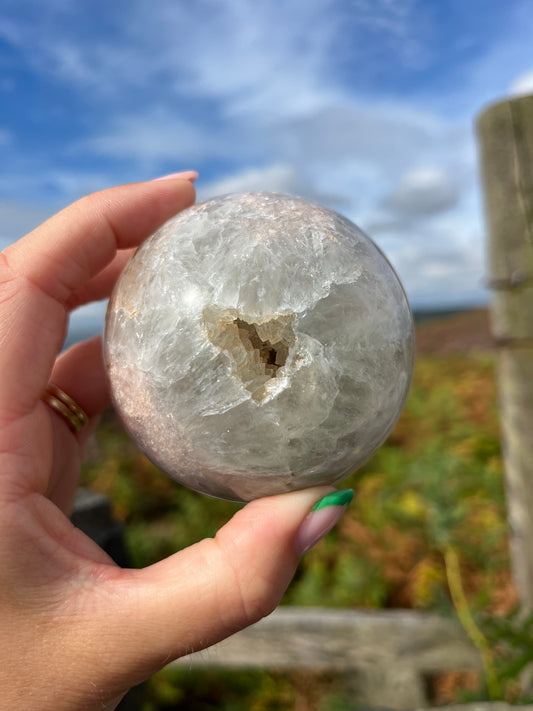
506 139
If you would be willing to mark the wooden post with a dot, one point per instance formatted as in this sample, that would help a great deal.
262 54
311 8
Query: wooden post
505 132
385 656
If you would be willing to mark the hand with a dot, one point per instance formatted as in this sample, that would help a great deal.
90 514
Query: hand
76 631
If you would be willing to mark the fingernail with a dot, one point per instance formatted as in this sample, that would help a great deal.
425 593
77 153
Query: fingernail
190 175
320 520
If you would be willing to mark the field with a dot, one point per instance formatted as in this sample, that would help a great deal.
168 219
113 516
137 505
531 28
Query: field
430 499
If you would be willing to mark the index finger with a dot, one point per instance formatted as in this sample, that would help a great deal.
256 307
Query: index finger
39 273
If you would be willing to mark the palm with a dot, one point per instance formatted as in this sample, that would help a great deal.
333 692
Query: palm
51 472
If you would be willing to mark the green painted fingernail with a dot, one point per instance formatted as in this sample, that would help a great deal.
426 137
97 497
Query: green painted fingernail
335 498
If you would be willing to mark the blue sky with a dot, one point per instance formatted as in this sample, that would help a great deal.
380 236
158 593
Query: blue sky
367 106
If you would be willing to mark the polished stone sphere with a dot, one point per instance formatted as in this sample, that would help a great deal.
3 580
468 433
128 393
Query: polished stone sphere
259 343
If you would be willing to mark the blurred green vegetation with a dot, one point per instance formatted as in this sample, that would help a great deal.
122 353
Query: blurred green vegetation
185 690
435 485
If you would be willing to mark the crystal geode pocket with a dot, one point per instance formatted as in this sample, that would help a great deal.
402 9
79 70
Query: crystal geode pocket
259 343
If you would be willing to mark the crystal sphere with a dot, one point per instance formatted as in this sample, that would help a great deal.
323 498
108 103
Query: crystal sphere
258 343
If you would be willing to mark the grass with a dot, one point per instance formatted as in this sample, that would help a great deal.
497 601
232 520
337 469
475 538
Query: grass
435 486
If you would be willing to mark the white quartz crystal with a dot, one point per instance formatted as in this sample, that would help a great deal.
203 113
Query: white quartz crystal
259 343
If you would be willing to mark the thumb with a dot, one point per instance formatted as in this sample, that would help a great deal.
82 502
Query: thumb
214 588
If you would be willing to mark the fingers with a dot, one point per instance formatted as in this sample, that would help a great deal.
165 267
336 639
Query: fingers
52 459
101 285
80 372
112 628
211 590
74 245
51 269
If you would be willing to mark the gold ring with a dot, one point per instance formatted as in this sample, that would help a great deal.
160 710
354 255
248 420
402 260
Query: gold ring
65 406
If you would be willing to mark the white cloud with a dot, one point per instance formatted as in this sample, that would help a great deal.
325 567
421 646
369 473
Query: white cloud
249 56
279 178
154 136
440 262
423 191
522 84
262 89
348 130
